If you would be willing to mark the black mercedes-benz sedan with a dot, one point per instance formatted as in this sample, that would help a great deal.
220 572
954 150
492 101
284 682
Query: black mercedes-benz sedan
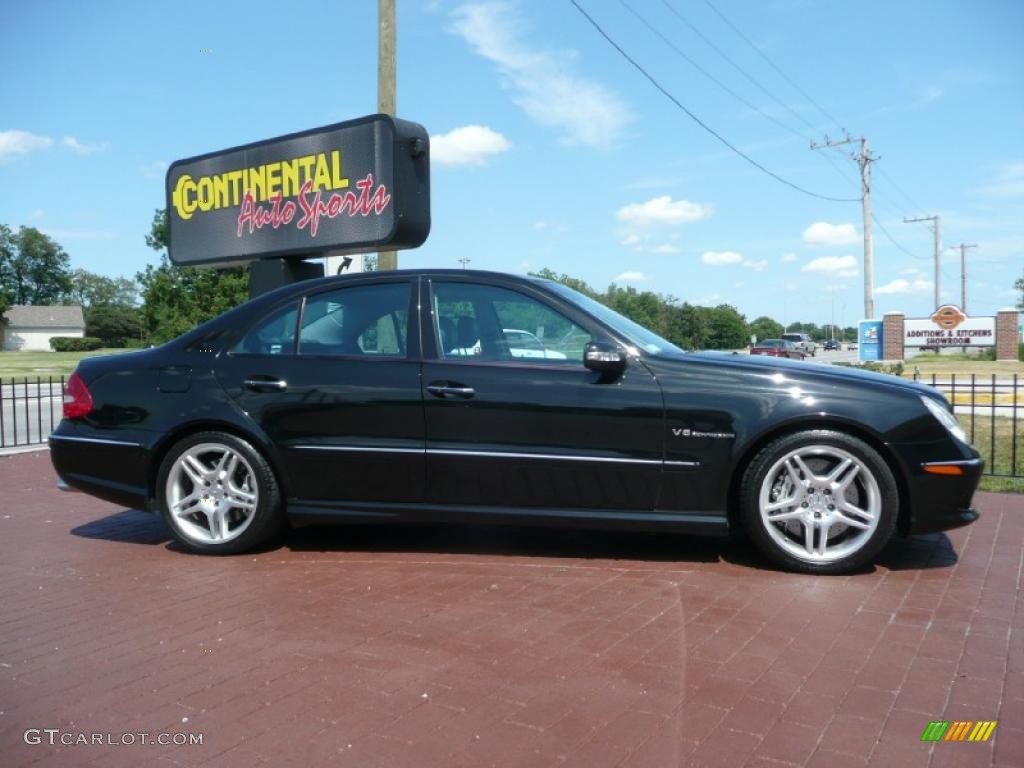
437 395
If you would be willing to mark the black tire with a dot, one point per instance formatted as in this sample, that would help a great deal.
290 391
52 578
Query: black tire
872 465
267 521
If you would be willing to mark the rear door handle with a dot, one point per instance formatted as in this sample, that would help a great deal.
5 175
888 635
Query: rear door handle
258 384
450 389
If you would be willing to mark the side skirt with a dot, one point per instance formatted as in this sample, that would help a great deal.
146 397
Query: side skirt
700 523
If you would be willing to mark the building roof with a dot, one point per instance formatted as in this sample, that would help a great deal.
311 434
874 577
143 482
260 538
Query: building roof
21 316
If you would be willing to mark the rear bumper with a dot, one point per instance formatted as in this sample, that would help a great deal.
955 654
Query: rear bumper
112 469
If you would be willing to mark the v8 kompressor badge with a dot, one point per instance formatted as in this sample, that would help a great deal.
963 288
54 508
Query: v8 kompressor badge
683 432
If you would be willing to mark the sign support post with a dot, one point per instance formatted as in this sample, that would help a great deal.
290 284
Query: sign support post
386 88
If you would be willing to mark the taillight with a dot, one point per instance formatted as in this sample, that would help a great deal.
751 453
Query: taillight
77 400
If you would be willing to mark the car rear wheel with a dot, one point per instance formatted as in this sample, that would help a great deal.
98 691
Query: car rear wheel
218 494
819 501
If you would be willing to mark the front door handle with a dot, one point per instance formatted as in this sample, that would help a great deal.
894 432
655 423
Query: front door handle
450 389
267 384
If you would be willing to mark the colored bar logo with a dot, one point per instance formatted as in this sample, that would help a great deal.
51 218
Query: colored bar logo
958 730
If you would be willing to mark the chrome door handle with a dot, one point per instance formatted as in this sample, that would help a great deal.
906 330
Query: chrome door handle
262 385
446 390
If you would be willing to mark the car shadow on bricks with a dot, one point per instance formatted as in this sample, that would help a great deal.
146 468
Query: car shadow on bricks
934 550
128 526
521 541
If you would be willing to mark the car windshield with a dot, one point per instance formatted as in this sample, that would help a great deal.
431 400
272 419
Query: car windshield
647 340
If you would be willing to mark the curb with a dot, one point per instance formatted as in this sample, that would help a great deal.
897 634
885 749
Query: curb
24 449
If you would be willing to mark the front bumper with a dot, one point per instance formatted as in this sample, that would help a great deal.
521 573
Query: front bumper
941 498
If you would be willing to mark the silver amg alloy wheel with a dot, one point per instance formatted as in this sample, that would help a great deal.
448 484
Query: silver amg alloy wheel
211 493
820 503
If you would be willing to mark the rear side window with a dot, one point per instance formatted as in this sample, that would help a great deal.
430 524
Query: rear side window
363 321
274 335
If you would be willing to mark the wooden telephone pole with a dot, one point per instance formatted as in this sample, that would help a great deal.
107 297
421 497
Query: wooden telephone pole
864 158
386 260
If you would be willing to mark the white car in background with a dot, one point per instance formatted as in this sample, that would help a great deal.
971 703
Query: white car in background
521 344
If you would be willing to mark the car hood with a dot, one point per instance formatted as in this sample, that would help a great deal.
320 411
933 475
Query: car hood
806 371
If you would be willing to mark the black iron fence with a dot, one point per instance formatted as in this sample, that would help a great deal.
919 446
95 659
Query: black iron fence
29 409
990 408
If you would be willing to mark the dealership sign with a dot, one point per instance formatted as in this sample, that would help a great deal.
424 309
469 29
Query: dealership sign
357 186
949 327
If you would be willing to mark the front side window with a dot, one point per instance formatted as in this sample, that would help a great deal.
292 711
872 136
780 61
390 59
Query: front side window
486 323
361 321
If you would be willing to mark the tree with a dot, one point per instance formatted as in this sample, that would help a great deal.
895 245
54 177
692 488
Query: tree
1019 285
33 268
765 328
6 258
92 290
727 328
115 324
177 299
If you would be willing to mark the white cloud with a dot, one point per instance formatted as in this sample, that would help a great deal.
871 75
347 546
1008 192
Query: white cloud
632 239
70 142
720 258
1008 182
823 233
740 284
80 234
468 145
905 286
155 170
789 257
542 82
839 266
663 211
626 277
758 266
665 248
21 143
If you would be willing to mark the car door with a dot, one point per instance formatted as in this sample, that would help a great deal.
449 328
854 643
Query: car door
333 380
516 426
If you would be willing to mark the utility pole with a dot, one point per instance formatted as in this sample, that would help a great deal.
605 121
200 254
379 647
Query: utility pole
864 159
464 261
963 274
386 260
938 249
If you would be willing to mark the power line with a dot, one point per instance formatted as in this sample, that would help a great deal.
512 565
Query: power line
697 120
774 66
675 11
914 204
707 74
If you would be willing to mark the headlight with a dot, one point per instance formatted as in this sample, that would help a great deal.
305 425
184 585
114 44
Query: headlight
947 419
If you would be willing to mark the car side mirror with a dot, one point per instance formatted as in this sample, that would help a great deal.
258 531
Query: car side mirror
604 357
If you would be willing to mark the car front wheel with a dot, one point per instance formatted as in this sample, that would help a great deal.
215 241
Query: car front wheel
218 494
819 501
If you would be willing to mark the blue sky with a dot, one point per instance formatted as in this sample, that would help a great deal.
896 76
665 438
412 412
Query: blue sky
549 149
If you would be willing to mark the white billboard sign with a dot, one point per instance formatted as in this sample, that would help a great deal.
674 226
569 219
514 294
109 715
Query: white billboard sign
949 327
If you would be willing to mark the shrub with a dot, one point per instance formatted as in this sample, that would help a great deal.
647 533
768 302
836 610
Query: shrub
894 369
75 344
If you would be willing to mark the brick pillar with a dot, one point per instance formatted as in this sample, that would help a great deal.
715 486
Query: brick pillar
892 336
1007 334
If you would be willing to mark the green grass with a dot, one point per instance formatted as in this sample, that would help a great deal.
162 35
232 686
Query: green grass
1002 459
43 364
946 364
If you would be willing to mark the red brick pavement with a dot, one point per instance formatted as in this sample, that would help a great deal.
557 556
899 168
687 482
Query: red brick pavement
459 646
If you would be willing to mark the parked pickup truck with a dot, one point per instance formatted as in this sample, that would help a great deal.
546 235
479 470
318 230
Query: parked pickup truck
803 342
